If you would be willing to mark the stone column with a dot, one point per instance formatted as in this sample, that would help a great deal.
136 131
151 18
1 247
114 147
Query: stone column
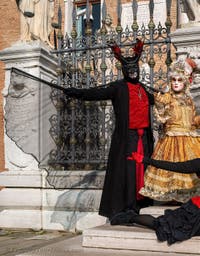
188 13
27 109
68 16
181 15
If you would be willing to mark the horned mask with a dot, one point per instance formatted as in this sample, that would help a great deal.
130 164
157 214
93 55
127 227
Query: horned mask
130 65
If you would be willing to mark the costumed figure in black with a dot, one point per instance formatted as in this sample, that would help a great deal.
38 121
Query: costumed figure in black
131 103
175 225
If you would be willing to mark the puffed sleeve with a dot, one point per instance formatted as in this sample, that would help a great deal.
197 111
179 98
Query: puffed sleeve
197 121
162 98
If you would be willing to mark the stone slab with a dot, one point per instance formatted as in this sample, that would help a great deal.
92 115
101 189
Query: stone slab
57 179
49 220
156 210
71 220
76 179
135 238
184 36
50 199
50 209
16 198
21 178
30 219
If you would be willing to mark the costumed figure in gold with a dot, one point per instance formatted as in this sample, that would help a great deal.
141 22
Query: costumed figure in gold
180 140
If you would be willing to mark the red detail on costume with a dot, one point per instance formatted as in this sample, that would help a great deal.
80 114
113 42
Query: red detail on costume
139 166
138 119
196 201
138 47
191 62
117 51
136 156
190 79
138 107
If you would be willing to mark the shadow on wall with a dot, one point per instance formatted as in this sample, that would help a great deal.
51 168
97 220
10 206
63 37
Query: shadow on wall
77 208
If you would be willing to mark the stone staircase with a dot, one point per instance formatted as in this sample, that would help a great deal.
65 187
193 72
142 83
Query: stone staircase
136 238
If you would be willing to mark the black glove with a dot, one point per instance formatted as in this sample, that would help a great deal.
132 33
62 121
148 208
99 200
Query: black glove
73 92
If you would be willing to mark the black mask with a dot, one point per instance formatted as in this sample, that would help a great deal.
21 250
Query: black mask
130 66
130 69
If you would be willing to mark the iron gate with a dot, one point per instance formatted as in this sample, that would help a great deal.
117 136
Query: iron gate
82 130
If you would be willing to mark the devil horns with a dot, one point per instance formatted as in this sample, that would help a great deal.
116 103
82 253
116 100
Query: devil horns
137 48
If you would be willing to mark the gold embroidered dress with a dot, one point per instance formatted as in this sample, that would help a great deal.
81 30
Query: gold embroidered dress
180 142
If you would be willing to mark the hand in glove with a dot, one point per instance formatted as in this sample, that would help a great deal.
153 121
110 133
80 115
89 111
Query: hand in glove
136 156
73 92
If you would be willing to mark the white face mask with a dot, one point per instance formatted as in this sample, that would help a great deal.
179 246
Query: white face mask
177 84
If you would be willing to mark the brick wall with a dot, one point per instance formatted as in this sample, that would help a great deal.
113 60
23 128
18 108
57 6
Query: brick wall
10 31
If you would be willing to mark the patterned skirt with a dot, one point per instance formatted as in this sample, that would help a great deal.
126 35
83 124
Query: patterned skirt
162 185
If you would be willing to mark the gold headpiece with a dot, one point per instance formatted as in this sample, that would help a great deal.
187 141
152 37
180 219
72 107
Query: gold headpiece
184 69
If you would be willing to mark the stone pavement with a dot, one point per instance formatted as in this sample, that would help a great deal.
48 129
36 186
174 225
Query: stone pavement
14 242
47 243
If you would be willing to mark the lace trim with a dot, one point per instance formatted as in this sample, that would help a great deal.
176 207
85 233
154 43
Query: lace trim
179 133
177 195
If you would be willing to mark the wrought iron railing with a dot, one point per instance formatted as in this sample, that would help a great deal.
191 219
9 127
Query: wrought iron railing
82 130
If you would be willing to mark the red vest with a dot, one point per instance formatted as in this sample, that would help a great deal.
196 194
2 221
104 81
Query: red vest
138 107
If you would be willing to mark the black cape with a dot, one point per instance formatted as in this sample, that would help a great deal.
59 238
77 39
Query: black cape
112 200
179 224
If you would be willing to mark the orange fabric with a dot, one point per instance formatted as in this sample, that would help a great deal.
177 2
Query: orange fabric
163 185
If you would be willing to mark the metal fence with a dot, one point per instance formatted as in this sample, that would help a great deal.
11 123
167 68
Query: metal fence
82 130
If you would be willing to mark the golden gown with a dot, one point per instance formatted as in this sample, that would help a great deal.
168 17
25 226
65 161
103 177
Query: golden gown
180 142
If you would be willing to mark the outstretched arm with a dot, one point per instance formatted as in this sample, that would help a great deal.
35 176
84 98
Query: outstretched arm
190 166
103 93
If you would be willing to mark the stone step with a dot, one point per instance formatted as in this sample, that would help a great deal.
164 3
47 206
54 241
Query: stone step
156 210
135 238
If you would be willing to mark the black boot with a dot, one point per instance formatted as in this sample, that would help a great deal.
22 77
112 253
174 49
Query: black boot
123 218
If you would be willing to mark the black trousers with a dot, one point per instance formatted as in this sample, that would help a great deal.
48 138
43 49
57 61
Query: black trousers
130 188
